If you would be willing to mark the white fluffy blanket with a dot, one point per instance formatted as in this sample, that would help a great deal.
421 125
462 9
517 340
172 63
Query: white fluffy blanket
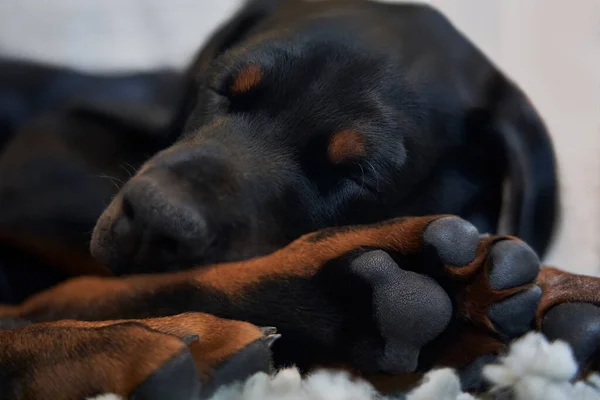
532 369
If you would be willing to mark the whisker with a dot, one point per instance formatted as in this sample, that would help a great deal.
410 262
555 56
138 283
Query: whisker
112 179
134 169
362 186
374 175
126 170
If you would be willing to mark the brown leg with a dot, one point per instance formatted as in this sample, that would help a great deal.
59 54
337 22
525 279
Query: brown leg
171 357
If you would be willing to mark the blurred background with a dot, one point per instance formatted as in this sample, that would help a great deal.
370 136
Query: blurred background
551 48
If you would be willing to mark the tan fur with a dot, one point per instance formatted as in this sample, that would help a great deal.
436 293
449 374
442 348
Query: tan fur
249 77
345 146
560 287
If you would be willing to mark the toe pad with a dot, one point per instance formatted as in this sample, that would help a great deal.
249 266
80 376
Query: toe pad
512 263
576 323
515 316
453 239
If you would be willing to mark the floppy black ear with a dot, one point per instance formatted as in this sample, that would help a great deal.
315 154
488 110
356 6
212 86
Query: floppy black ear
143 104
531 210
140 119
231 32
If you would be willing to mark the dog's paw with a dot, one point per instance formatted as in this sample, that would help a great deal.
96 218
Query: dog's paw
487 282
385 291
491 279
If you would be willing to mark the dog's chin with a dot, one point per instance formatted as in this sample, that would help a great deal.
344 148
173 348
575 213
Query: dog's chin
125 265
103 254
181 265
123 259
218 256
121 264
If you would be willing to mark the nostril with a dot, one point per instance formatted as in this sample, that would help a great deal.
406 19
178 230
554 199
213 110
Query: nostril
167 245
123 227
128 209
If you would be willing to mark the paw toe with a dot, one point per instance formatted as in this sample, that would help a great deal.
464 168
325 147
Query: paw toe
577 324
453 240
377 267
409 309
515 315
512 264
250 360
176 379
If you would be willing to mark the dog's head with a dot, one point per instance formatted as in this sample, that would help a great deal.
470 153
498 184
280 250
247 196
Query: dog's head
307 115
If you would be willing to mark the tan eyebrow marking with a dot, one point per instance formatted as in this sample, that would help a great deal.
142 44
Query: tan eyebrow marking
249 77
346 145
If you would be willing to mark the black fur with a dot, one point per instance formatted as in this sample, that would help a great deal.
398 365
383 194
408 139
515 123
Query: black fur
28 90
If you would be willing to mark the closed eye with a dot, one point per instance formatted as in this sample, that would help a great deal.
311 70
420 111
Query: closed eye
369 178
346 147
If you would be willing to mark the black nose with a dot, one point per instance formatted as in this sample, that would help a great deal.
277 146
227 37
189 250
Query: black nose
159 225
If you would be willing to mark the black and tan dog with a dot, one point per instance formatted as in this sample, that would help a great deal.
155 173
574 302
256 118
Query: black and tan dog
370 125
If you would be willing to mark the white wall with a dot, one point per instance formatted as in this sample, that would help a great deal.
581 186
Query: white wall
550 47
103 35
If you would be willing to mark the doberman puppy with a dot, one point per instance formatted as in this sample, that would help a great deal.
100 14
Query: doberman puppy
377 127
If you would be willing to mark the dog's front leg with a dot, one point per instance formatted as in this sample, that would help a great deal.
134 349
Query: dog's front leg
186 356
371 297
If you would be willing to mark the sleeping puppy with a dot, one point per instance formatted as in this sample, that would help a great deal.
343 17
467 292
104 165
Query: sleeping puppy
308 115
352 119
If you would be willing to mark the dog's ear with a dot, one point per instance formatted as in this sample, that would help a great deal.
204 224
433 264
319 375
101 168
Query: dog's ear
141 119
143 104
228 34
233 31
532 196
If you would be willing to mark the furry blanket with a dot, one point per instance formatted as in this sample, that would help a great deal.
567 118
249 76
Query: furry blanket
532 369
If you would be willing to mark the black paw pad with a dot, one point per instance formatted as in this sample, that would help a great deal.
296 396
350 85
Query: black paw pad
453 240
577 324
515 316
512 264
409 309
